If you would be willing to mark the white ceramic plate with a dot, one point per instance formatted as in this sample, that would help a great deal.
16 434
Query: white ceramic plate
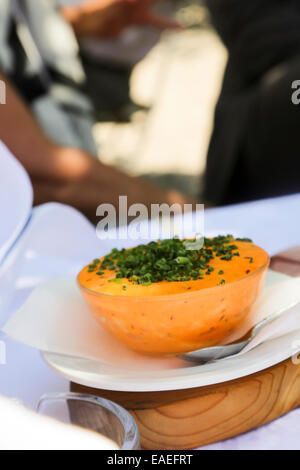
174 374
97 375
16 198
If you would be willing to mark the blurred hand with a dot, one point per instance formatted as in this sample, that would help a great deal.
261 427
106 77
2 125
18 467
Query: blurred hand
108 18
71 176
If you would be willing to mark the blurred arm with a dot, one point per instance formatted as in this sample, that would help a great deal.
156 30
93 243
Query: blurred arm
108 18
69 175
20 132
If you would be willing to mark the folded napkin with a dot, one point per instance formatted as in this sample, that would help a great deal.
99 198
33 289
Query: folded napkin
55 319
45 433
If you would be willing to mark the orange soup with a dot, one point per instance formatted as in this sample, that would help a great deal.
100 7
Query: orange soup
158 302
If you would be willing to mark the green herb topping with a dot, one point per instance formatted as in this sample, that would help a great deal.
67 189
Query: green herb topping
167 260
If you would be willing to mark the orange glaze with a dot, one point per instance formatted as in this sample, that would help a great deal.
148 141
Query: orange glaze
153 320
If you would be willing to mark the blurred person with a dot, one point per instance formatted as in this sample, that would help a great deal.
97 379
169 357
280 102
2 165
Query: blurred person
108 62
254 151
47 121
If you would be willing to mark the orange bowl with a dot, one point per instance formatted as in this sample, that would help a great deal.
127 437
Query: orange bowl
179 323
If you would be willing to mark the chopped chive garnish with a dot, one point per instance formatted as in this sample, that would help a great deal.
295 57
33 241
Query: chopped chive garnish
117 281
227 258
166 260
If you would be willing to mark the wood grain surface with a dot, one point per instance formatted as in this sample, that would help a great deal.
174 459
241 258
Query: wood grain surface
184 419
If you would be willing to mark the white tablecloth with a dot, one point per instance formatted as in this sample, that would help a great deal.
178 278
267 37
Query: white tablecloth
275 225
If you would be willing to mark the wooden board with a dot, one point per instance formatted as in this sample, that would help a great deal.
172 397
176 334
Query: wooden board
184 419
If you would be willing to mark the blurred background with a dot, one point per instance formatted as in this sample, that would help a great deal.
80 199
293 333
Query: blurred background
175 110
167 123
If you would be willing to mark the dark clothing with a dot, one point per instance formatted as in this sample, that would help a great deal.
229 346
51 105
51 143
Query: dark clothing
254 149
34 85
48 74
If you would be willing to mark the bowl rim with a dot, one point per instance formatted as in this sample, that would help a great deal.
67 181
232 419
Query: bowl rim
259 270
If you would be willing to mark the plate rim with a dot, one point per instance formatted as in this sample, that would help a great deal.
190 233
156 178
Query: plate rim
130 383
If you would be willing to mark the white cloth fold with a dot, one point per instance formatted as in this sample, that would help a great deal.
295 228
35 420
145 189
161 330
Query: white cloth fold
45 433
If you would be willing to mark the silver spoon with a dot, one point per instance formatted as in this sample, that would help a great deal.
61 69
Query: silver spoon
215 353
